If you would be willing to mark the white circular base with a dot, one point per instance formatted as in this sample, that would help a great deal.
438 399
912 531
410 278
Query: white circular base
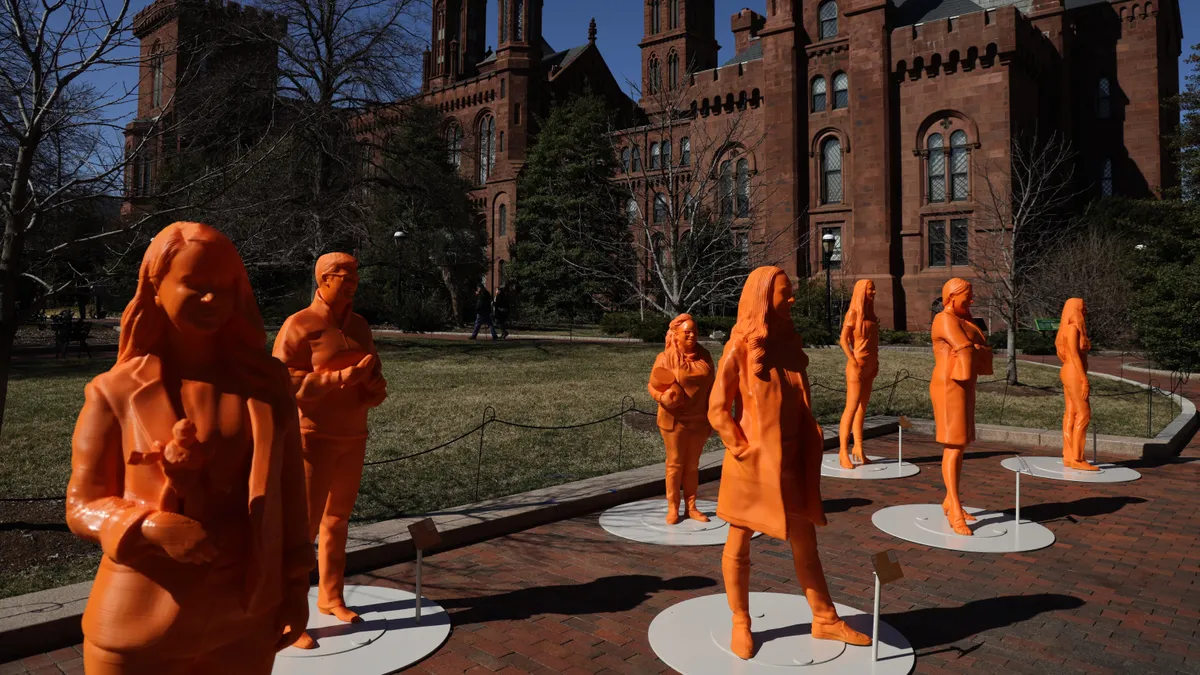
646 522
880 468
386 640
993 532
693 638
1052 468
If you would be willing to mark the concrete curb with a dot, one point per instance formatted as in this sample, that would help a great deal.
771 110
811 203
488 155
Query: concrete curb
50 619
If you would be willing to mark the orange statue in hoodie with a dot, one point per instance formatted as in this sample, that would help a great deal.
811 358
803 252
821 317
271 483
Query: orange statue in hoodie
680 382
186 469
860 343
337 377
1073 345
960 356
770 479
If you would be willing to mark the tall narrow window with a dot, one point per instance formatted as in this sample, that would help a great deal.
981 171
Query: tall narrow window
503 224
828 15
673 9
935 168
625 157
661 213
519 23
631 210
935 234
835 254
666 154
960 183
503 275
637 158
487 147
841 90
655 16
517 114
439 22
454 144
500 144
503 21
959 251
689 208
726 188
655 156
743 188
818 94
1106 178
685 152
672 71
1104 98
654 75
831 171
503 87
156 72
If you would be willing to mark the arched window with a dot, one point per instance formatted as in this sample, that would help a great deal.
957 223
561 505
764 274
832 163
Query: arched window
689 208
631 211
672 71
503 275
831 171
960 163
841 90
685 152
625 156
156 72
818 94
502 226
519 31
655 16
673 9
726 189
743 188
655 156
487 147
666 153
439 24
1106 178
637 158
454 144
661 213
500 142
935 168
654 75
503 21
828 15
1104 98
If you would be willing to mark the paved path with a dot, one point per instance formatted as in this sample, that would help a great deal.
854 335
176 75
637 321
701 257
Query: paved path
1118 593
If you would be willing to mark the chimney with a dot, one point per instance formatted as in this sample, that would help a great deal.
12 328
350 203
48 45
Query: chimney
745 25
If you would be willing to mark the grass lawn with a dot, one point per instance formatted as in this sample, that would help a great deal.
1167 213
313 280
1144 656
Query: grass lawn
440 389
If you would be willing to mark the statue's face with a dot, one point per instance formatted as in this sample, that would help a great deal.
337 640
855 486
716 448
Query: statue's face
961 303
870 291
782 298
340 284
687 335
198 292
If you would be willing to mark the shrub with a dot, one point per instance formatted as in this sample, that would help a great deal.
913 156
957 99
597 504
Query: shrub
619 323
652 329
1028 342
894 337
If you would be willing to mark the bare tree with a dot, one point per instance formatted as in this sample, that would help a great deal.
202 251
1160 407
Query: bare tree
1021 209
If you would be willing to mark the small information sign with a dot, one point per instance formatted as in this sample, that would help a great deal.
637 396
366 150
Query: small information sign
887 566
905 423
424 534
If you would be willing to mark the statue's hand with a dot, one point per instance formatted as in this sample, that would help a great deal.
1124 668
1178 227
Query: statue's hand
181 538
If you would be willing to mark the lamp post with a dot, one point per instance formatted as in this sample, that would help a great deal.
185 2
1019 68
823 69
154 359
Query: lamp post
827 249
398 237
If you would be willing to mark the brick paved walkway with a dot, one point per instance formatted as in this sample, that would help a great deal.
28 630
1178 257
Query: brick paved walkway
1117 593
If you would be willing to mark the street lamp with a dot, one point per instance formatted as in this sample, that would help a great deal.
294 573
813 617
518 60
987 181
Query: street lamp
398 237
827 248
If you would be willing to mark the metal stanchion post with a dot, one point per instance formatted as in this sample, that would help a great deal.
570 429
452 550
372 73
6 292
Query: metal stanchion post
875 624
418 584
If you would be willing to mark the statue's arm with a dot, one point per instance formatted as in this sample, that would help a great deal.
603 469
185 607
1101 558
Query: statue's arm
292 348
720 404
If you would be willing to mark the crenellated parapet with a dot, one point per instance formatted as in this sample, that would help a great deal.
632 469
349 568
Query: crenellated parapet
465 94
726 89
160 11
963 42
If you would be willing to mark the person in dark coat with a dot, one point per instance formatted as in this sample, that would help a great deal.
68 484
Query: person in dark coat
500 311
483 311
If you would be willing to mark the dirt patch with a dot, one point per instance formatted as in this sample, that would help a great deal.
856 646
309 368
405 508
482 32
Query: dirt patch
37 531
1021 390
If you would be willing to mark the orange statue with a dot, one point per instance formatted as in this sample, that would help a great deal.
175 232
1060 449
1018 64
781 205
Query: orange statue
1072 344
186 469
961 355
770 479
860 342
680 382
337 377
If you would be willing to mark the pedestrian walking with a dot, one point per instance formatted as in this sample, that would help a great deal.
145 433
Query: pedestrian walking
483 311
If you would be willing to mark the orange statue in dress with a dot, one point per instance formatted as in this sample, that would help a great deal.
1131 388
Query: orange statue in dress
770 479
961 355
186 469
860 342
1073 345
337 377
680 382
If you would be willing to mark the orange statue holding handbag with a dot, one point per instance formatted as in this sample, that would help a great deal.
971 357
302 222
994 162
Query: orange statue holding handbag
1073 345
860 343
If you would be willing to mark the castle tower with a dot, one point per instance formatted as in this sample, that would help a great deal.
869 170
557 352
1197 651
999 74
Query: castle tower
680 37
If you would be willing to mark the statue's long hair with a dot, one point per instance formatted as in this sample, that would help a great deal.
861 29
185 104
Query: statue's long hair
676 356
752 327
1072 315
143 324
862 309
952 289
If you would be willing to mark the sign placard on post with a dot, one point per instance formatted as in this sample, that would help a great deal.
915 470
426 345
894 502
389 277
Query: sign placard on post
424 535
887 570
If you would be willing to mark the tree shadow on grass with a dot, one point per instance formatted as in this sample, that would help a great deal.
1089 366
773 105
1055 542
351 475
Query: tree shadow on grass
934 626
603 596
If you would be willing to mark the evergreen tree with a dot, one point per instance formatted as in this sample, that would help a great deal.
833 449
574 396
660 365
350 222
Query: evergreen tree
565 188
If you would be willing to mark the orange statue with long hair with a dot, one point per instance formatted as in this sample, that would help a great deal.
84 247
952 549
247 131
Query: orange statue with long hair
680 382
186 469
961 355
1073 345
770 478
860 343
337 377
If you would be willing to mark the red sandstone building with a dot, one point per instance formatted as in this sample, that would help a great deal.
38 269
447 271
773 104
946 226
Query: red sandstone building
876 115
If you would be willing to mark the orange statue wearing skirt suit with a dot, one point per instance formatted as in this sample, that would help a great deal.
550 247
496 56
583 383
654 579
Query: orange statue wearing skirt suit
961 355
860 342
186 469
770 479
337 376
1073 345
680 382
